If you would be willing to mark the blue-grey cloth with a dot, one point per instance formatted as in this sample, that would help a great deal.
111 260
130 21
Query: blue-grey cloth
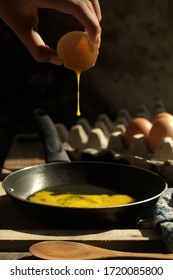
164 217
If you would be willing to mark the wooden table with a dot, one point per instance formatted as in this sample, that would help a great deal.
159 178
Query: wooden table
18 231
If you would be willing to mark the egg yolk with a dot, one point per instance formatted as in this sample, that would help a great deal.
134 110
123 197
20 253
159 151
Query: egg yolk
81 200
78 94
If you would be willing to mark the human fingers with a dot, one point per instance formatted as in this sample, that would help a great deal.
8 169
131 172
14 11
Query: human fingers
97 8
39 50
87 16
25 28
84 11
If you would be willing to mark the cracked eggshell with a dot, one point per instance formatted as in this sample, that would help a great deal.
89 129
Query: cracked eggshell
77 51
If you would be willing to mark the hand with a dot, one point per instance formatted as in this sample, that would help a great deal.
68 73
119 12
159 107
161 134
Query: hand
22 17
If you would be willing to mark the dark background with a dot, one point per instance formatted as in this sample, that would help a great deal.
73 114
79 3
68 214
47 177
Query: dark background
134 67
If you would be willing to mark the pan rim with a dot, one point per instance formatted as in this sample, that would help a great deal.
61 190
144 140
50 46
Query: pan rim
82 163
165 185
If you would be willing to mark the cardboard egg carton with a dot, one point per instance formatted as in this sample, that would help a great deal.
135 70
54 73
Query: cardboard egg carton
105 141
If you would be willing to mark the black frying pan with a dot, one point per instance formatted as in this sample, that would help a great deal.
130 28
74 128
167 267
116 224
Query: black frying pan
62 175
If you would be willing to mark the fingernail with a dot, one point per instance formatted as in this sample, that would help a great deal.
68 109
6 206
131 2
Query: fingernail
55 60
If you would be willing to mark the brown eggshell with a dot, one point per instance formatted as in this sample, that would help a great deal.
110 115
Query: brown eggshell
161 115
162 127
77 51
136 126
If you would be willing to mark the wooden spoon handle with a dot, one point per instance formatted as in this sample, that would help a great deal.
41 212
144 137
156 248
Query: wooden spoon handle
122 254
100 253
144 255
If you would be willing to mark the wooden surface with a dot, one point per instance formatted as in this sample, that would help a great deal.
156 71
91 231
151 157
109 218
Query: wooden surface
25 150
18 231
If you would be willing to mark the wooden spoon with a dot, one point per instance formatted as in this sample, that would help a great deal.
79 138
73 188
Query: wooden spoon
67 250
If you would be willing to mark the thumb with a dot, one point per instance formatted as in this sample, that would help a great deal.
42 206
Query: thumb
25 28
38 49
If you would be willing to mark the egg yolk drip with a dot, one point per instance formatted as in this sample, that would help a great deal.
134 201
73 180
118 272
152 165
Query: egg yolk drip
81 200
78 93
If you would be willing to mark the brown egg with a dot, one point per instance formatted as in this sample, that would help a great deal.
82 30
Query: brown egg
161 115
162 127
136 126
77 51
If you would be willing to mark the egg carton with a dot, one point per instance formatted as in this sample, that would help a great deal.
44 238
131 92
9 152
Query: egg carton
105 141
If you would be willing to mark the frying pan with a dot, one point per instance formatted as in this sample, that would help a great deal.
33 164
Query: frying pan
85 177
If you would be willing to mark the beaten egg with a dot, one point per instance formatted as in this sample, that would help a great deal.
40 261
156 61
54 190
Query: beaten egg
138 125
81 200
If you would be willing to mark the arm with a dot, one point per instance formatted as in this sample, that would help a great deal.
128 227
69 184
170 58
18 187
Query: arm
22 17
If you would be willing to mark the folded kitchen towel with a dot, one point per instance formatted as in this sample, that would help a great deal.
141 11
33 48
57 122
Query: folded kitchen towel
164 217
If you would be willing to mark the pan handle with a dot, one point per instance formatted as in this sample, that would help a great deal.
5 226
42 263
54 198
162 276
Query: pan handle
54 151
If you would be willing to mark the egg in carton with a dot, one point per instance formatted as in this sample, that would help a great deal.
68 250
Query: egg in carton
139 153
105 141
